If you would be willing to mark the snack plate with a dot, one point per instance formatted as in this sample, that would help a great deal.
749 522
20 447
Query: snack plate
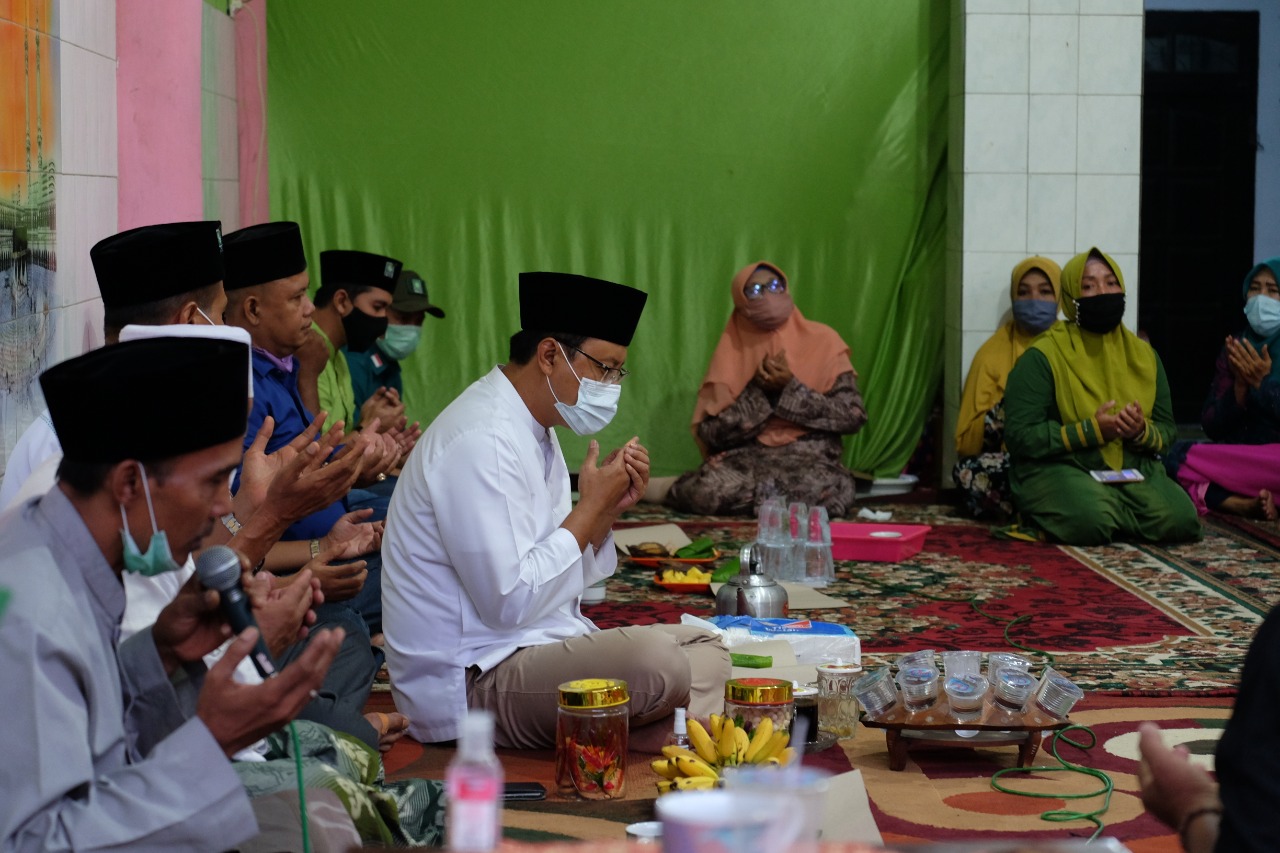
680 587
653 562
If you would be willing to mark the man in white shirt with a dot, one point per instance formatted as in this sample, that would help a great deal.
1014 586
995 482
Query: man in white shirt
485 559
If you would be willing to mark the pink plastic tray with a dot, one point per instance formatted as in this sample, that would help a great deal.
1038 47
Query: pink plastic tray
876 543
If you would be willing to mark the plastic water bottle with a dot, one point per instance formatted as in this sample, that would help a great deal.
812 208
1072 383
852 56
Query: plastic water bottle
473 784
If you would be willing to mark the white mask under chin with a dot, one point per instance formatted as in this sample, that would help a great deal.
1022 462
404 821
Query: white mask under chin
596 406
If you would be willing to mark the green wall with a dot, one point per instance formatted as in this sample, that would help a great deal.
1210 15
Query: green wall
662 144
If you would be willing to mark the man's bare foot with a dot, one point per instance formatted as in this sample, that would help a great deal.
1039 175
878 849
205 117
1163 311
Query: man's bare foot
1263 506
390 727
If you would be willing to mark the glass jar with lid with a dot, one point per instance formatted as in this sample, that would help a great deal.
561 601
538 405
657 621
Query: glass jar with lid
747 701
837 706
592 727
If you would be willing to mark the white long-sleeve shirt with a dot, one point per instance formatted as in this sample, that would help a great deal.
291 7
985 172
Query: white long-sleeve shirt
475 564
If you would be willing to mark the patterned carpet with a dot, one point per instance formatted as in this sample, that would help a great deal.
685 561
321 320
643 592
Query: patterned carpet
1150 632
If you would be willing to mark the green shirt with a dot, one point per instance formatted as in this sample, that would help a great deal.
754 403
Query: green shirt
334 386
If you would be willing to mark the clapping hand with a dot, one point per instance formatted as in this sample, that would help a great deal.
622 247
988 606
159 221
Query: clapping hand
1128 423
774 373
635 459
1248 366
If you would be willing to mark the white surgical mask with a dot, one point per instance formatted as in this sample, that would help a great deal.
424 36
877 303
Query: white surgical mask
1263 313
596 406
159 557
399 341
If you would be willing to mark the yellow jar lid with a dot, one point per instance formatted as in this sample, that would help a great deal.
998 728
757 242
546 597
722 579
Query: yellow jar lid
757 691
593 693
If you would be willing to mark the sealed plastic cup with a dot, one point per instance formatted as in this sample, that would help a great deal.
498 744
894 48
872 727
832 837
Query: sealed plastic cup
960 664
965 693
1013 689
997 661
875 691
1057 695
919 685
741 821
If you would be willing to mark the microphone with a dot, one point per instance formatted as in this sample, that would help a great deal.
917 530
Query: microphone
219 568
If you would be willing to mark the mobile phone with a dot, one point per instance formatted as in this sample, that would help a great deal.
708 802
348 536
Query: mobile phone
524 791
1124 475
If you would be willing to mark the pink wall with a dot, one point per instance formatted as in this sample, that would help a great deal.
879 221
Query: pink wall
159 117
251 110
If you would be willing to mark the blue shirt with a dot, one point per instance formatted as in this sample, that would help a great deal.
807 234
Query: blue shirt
275 393
371 370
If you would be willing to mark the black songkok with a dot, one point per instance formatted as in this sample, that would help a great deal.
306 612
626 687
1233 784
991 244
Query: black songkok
157 262
181 395
579 305
262 253
343 267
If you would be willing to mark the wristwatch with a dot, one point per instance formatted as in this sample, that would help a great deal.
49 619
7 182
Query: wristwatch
315 548
232 523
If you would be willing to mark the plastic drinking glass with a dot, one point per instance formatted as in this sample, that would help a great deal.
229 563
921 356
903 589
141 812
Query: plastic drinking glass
1057 695
919 685
997 661
875 691
797 518
960 664
1013 689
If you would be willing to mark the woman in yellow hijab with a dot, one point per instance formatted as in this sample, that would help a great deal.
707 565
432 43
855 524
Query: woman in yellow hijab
982 465
1085 404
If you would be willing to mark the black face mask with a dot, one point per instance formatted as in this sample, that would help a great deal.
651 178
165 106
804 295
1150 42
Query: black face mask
1100 314
362 329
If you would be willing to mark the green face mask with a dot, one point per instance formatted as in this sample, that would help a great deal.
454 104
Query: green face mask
158 559
399 341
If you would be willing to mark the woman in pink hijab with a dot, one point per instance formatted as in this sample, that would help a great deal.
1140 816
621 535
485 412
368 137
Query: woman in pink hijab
777 397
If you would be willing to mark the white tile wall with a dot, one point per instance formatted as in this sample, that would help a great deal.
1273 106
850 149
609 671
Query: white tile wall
1113 7
1055 7
995 212
995 133
1111 54
87 114
1107 213
1051 133
1109 140
986 288
220 150
90 24
995 55
1014 7
86 208
1045 131
1054 53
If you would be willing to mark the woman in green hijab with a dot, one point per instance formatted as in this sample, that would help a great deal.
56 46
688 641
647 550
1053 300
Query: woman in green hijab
1089 397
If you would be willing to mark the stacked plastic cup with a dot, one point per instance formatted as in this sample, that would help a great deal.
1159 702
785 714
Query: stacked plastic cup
819 565
997 661
923 657
919 685
797 518
773 540
1056 695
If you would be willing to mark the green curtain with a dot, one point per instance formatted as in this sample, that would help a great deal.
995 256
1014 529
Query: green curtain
662 144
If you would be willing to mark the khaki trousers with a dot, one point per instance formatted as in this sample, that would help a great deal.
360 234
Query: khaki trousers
665 667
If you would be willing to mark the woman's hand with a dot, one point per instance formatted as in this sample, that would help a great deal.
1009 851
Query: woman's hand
1248 365
774 373
1129 422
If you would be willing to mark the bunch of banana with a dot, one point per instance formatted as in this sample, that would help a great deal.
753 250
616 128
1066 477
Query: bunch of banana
693 575
726 745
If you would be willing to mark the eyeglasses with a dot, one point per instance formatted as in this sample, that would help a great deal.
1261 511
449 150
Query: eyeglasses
609 375
756 289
